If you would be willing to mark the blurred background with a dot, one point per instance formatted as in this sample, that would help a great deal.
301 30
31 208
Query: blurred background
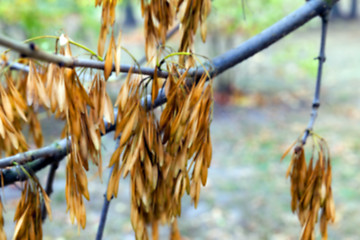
261 107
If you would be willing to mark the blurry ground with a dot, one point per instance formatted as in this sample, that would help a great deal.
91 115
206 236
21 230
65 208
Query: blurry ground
247 195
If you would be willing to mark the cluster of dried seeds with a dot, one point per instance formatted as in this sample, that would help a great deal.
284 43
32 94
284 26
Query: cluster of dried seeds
84 115
21 99
28 211
60 91
165 155
113 55
107 20
195 12
13 111
159 16
311 191
161 12
165 158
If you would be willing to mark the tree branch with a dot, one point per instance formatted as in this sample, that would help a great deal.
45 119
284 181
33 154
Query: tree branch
104 211
271 35
218 65
254 45
321 58
58 148
49 188
32 51
15 66
38 159
15 174
106 203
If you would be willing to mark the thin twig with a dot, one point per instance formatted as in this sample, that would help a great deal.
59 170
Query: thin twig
221 63
32 51
15 174
15 66
104 212
106 204
321 58
218 65
49 187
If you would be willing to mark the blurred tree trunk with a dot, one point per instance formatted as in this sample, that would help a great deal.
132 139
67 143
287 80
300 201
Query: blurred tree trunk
130 20
338 14
353 10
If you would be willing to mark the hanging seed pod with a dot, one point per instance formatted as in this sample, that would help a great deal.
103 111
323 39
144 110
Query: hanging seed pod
311 194
28 211
107 20
159 17
156 153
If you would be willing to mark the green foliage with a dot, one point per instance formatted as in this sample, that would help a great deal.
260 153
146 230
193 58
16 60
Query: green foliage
43 17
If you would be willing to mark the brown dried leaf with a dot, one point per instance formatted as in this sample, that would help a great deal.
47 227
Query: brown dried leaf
203 29
118 54
287 152
108 110
20 223
2 129
115 156
93 134
30 85
60 92
204 173
126 134
155 86
6 105
109 58
102 40
323 226
47 203
40 88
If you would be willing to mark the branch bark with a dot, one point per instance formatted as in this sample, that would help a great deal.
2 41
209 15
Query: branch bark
218 65
15 174
49 188
321 58
15 66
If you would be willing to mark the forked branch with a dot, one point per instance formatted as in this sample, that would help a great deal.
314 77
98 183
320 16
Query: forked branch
49 187
218 65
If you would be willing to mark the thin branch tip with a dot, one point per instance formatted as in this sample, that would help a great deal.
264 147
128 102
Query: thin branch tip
322 59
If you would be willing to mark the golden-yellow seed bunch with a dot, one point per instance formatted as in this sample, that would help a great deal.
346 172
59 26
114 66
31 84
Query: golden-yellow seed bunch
311 192
85 141
160 15
107 20
195 12
84 114
165 158
28 211
13 111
